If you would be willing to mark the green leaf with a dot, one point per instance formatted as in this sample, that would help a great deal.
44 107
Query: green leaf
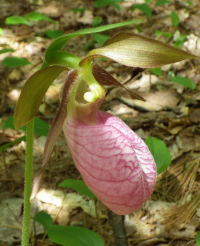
138 28
89 44
189 83
144 8
96 21
157 71
40 127
138 51
36 17
162 2
60 42
160 153
77 185
5 146
53 34
180 40
97 38
191 4
165 34
100 38
33 92
1 31
117 6
11 62
64 59
198 238
74 236
6 50
147 1
17 20
76 10
174 19
102 3
44 219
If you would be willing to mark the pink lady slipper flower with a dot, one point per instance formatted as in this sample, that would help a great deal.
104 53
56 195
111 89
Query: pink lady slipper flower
114 162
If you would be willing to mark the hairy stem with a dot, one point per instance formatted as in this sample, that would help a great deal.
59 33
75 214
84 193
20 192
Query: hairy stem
28 183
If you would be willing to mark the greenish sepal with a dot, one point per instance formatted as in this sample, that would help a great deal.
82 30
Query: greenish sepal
135 50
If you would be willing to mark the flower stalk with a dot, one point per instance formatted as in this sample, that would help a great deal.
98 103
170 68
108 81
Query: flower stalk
96 91
28 183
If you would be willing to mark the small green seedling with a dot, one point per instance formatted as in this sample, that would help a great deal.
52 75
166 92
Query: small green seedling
198 238
44 219
17 20
160 153
79 186
7 145
12 62
162 2
97 38
138 28
5 51
96 21
36 17
165 34
40 127
189 83
74 236
157 71
179 42
174 19
179 39
190 4
53 34
102 3
71 235
76 10
143 8
32 16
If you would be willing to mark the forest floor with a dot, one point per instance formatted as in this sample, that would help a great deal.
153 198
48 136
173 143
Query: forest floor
171 113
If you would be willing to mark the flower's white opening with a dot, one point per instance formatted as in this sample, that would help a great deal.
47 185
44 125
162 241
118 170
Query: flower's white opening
89 96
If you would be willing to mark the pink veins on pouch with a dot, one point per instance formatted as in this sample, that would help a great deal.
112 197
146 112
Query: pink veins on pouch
113 161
